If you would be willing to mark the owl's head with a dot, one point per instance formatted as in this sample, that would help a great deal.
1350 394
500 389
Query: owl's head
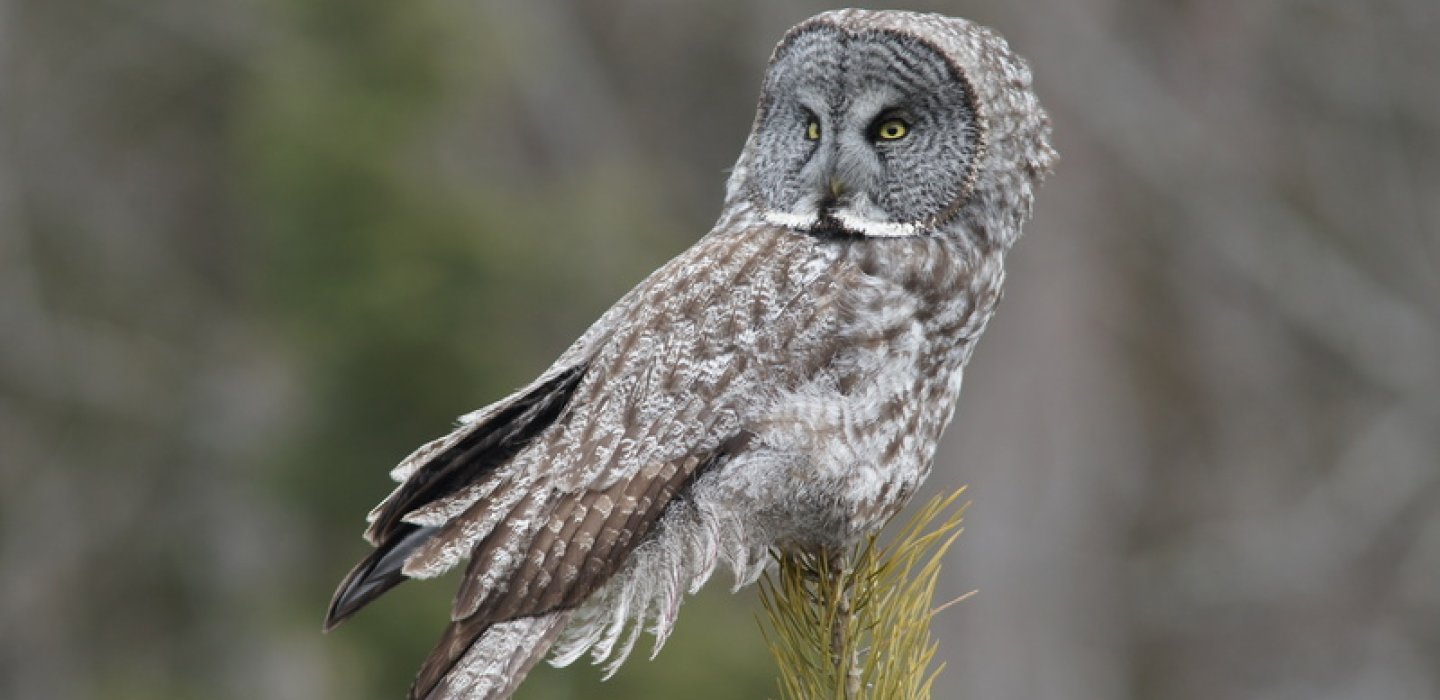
885 124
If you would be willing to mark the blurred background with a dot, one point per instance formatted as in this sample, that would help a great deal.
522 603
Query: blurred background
254 251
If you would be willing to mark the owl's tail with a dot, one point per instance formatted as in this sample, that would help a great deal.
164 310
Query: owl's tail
479 661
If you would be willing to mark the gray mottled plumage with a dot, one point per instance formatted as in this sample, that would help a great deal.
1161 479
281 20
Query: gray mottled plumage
783 383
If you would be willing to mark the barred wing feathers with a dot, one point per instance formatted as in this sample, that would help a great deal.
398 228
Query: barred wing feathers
549 491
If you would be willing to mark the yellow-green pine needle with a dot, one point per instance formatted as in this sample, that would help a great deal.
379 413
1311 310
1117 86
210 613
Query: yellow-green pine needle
856 624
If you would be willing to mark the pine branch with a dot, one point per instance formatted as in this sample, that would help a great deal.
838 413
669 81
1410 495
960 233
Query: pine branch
844 625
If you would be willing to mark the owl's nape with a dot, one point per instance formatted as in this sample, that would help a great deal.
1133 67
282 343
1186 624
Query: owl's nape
784 382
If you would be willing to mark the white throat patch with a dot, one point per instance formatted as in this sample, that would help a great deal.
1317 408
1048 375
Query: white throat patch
869 228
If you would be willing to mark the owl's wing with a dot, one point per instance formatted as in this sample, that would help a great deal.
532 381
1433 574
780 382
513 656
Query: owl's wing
453 464
657 398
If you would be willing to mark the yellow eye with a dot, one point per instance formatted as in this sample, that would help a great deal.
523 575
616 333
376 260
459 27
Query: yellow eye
892 129
812 130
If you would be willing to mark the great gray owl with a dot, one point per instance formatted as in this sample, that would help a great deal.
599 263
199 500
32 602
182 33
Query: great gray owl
783 383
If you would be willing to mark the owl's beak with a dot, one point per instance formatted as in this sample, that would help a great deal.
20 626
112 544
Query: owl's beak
830 196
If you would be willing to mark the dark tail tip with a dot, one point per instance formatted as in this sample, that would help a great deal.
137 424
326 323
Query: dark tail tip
375 574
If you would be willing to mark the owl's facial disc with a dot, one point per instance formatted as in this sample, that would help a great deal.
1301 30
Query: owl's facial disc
869 133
